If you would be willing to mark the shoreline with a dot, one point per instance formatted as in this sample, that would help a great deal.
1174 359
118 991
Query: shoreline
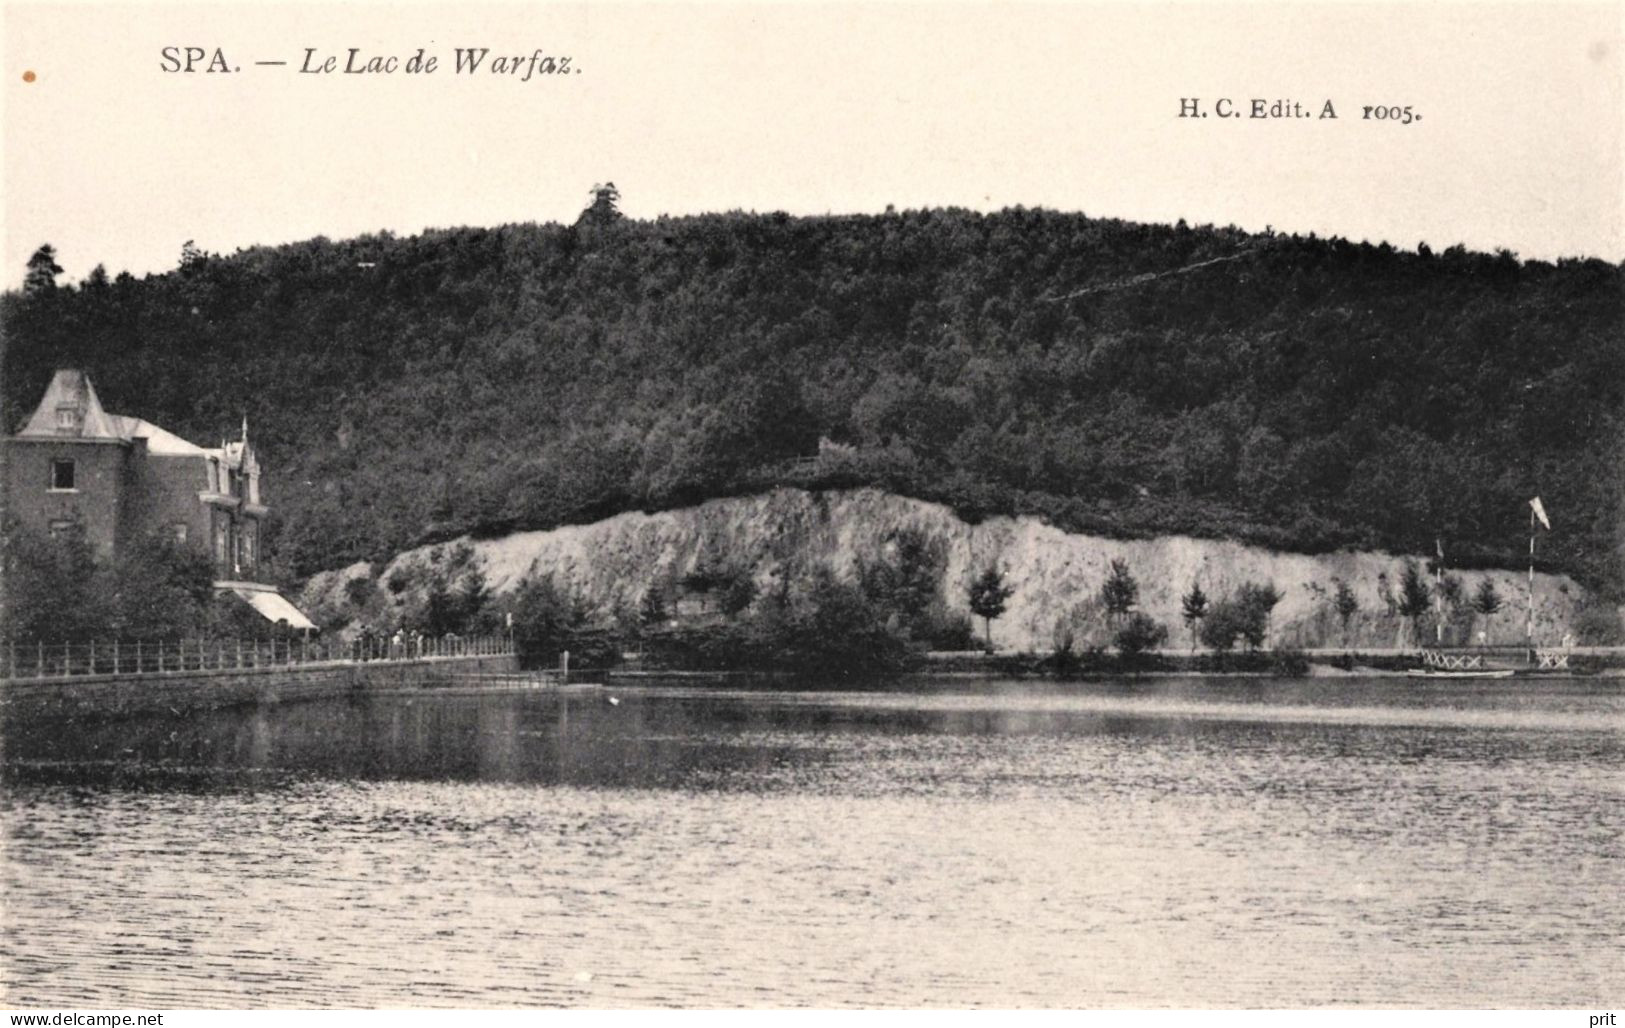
1321 672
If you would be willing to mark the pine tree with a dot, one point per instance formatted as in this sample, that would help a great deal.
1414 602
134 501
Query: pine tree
1120 592
42 272
1195 609
1413 598
605 207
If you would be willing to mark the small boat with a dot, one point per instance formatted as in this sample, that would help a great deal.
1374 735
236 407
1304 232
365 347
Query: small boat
1477 673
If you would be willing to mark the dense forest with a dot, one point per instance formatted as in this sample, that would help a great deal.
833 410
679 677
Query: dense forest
1112 377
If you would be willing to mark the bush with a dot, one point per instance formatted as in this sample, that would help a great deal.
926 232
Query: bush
1223 624
1289 664
1598 624
57 589
943 629
1140 634
549 618
822 626
357 591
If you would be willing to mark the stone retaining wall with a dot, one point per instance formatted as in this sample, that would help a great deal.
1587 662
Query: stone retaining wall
99 696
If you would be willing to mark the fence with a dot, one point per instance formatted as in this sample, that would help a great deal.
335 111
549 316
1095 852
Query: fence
147 657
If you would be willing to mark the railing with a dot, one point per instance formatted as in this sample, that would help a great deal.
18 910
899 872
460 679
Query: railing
1453 661
146 657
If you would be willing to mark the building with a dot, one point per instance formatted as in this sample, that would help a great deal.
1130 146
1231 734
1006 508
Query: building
73 466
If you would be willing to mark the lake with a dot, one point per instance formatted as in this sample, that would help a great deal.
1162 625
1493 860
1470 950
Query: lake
1175 842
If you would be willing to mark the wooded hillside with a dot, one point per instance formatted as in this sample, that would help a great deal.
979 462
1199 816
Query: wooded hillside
1308 394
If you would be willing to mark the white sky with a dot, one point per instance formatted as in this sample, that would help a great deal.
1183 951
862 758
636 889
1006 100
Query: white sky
811 108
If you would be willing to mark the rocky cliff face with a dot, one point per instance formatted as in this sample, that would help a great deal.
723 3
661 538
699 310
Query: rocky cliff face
1052 572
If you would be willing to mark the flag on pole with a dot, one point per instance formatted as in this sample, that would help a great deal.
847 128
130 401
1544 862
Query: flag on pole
1540 512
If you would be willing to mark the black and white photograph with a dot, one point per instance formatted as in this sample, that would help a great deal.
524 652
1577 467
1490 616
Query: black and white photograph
780 506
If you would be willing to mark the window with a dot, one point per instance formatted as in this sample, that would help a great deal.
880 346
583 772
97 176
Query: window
67 420
62 475
180 531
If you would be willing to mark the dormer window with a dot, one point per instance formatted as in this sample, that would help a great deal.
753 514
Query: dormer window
68 420
62 476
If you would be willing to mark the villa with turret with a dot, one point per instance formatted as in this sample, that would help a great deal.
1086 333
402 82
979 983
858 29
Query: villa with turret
75 467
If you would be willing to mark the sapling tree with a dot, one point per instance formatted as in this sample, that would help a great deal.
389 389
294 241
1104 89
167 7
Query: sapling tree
1486 601
987 596
1120 592
1194 608
1413 598
1346 606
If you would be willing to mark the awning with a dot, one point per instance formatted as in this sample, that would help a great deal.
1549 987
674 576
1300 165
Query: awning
274 608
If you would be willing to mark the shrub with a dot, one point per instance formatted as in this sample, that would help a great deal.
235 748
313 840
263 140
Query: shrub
1223 624
1598 624
357 591
1140 634
1289 664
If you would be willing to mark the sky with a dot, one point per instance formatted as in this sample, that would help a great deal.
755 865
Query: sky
809 108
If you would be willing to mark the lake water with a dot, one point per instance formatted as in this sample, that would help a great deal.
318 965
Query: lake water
1189 843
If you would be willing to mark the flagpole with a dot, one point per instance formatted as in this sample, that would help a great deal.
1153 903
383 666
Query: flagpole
1529 625
1438 594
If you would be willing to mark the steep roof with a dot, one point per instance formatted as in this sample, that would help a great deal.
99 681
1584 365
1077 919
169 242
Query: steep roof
70 389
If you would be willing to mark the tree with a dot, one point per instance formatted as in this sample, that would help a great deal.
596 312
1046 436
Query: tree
57 590
604 209
1194 609
50 584
652 610
1450 591
1256 603
1139 634
42 272
835 626
1486 601
906 579
738 593
1222 626
987 596
473 594
1413 598
1119 593
1346 606
439 608
191 255
546 618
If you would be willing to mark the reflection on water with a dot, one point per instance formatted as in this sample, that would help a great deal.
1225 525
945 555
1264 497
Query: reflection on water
1177 843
